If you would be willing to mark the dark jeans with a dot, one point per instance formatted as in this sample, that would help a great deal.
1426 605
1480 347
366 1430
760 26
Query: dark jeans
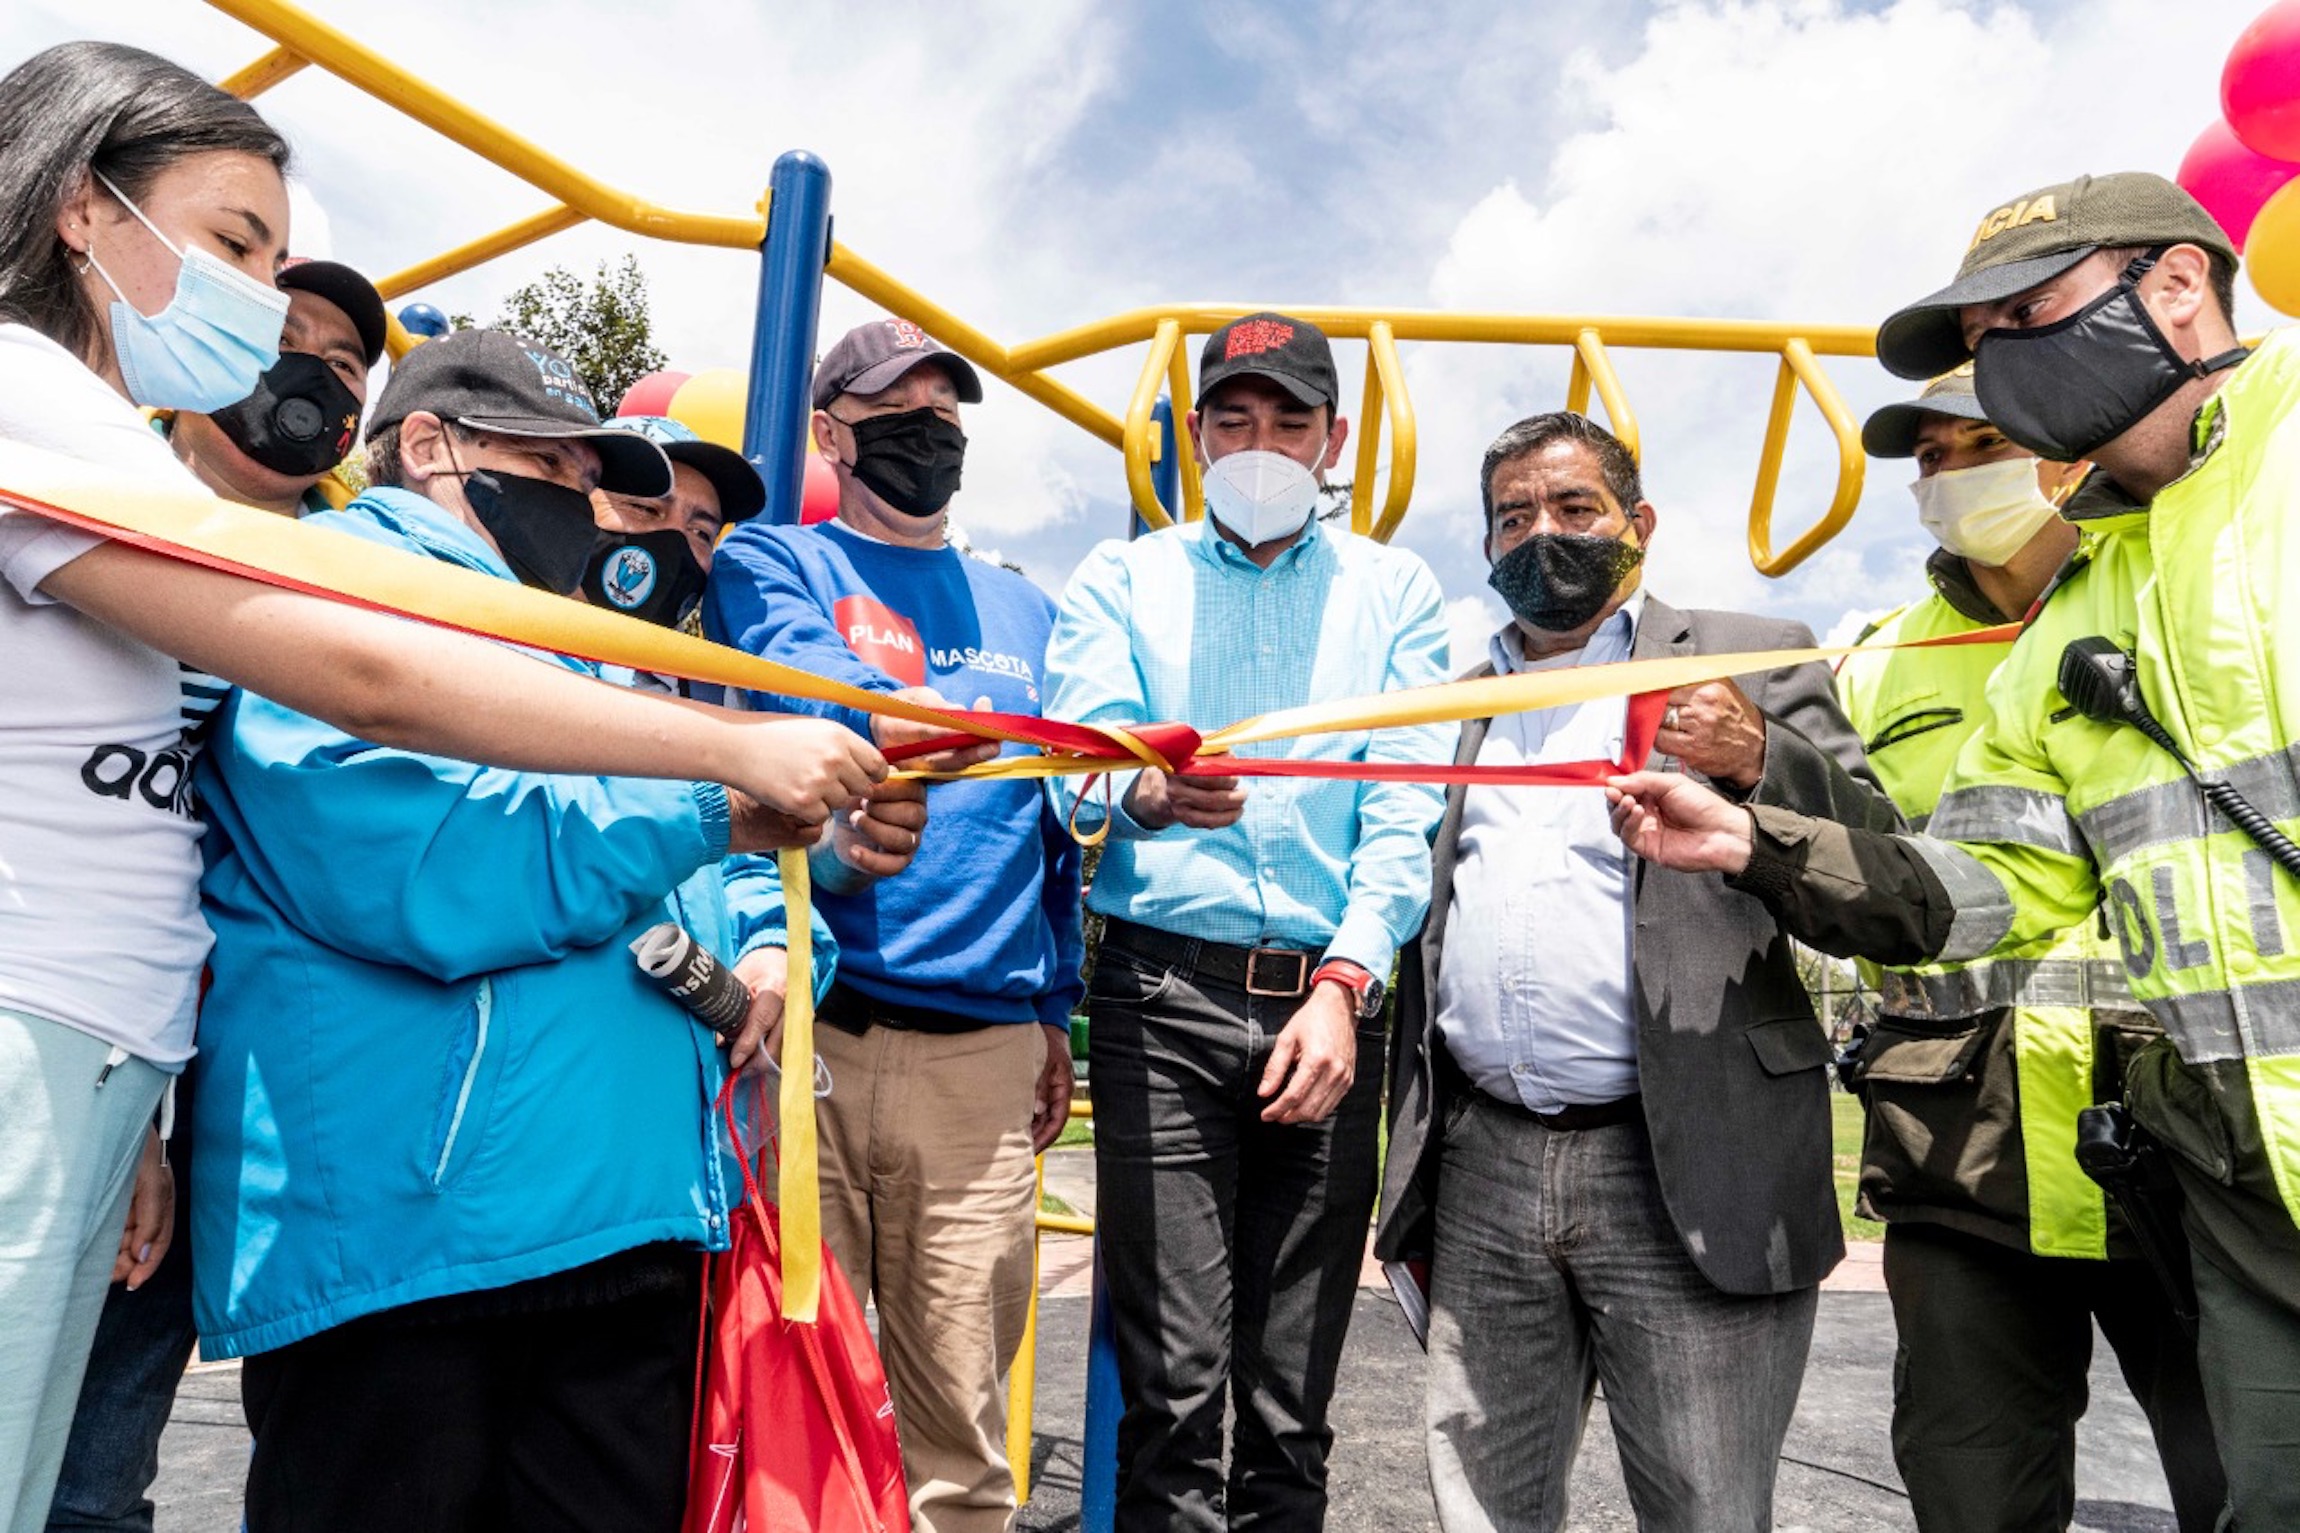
1556 1266
2250 1348
566 1420
143 1341
2245 1251
1231 1248
1989 1378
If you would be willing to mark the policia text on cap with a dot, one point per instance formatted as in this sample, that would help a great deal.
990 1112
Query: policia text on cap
2097 317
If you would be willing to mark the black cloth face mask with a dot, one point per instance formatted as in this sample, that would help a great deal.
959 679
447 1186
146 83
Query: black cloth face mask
2067 389
300 421
652 576
1558 581
911 460
545 530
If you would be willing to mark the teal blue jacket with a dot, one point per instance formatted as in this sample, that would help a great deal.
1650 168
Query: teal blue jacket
428 1064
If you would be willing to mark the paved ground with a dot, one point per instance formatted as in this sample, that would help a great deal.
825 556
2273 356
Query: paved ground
1837 1474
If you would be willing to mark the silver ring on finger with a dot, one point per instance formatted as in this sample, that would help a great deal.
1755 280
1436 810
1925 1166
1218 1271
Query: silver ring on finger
1669 717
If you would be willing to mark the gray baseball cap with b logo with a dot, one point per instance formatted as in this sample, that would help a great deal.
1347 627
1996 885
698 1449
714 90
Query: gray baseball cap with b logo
872 358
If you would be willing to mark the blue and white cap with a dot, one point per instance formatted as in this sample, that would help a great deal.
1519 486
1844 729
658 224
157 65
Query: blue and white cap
742 494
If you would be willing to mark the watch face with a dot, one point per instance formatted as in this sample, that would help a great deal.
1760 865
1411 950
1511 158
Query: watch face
1370 1004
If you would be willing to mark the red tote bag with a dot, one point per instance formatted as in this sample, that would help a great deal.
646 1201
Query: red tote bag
794 1429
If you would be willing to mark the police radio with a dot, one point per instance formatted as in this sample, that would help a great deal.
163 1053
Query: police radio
2102 683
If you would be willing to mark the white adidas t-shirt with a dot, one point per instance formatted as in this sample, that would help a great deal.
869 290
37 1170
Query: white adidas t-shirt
100 924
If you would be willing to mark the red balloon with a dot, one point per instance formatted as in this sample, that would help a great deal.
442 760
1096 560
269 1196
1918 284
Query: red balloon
651 395
2260 84
2230 180
819 497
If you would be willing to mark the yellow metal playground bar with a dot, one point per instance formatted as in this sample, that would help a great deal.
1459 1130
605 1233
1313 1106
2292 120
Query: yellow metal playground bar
302 40
578 198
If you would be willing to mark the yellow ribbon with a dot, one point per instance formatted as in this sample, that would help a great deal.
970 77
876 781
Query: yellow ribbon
798 1190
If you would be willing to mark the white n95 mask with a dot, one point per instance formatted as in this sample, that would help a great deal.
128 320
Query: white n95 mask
1260 496
1986 513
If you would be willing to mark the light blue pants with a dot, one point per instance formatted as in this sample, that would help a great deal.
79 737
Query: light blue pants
68 1150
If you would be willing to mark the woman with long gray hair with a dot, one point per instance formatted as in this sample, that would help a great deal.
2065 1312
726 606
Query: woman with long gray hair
142 218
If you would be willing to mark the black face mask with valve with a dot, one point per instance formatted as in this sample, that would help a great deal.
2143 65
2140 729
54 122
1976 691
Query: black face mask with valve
652 576
1557 581
2067 389
300 421
911 460
544 530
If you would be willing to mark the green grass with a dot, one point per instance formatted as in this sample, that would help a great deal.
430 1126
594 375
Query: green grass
1077 1134
1846 1157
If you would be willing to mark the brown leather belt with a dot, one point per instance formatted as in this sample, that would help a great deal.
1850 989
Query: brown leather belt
1278 971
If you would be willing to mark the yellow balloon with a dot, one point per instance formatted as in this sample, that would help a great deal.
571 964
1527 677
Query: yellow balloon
2272 250
711 405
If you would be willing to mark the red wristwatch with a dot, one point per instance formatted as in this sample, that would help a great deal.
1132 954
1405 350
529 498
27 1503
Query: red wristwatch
1365 990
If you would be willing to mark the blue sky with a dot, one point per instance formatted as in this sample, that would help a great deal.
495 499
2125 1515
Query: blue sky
1034 165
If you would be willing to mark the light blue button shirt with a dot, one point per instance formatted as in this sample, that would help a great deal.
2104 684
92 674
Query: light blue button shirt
1181 625
1533 987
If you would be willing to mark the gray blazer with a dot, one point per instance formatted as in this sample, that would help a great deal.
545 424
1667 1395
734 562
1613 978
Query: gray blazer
1730 1057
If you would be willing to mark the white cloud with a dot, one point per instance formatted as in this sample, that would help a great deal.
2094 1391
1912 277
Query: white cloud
934 120
1817 160
1471 622
1848 628
1788 159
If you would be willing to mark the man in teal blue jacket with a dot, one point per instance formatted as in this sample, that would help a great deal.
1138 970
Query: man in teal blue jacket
458 1159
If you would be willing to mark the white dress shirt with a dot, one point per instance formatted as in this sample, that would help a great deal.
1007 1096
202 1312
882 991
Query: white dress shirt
1534 985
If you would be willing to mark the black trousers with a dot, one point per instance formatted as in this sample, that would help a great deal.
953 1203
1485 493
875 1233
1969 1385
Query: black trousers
570 1419
1230 1247
1990 1378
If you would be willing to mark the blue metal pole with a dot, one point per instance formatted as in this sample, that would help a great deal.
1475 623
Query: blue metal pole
1098 1447
791 262
1166 473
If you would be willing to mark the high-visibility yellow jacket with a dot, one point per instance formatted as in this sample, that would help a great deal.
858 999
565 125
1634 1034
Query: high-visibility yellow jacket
1976 1071
2052 814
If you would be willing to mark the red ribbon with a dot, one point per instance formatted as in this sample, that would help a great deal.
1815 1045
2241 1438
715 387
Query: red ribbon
1177 745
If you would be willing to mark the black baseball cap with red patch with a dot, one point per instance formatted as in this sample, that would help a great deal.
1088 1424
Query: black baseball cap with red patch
1292 353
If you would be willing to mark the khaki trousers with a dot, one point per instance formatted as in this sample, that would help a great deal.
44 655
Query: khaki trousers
927 1194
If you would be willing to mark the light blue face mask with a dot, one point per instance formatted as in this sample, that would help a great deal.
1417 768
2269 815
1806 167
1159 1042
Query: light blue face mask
210 345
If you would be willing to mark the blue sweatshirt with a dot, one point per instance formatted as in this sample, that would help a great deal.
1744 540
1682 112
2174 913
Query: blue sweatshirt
985 921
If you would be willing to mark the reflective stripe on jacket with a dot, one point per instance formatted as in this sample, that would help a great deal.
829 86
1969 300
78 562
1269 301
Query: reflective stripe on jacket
2053 813
1943 1098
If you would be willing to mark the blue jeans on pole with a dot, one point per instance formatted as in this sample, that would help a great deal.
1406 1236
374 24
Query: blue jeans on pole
1556 1266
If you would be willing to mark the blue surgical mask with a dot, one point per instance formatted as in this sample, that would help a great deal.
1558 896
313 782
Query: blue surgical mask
212 343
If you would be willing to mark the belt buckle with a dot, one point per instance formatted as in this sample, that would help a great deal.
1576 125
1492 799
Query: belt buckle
1255 957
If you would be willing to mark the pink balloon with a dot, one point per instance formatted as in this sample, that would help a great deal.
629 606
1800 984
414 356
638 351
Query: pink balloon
2230 180
2260 84
819 496
651 395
